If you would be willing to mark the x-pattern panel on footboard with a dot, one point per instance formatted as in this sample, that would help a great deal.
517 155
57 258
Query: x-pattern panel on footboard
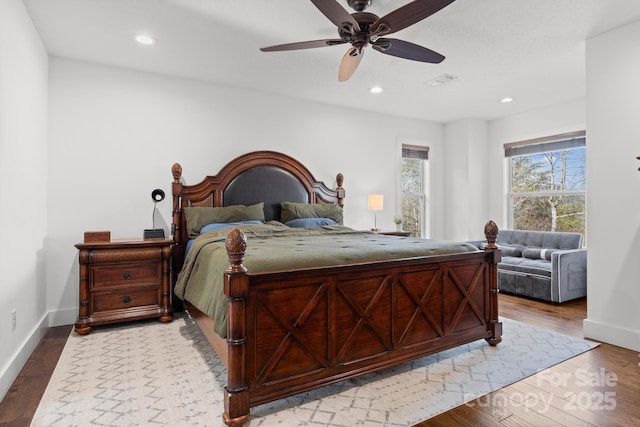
306 327
300 329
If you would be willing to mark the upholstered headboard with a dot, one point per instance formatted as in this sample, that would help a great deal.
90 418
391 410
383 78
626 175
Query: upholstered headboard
259 176
269 184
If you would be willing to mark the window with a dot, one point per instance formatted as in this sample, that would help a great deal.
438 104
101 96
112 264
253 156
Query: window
412 185
548 184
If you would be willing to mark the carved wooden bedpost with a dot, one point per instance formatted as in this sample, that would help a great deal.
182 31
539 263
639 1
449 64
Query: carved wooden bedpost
340 190
176 186
177 256
491 234
236 289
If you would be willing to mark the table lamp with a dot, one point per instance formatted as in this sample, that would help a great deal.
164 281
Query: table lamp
375 205
157 195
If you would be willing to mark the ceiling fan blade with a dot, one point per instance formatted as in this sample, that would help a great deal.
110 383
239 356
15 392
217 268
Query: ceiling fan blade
336 13
303 45
407 15
350 62
406 50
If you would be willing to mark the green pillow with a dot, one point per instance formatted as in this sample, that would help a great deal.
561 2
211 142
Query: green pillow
291 211
198 217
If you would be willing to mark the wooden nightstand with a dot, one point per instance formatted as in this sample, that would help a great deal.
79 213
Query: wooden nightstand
122 280
395 233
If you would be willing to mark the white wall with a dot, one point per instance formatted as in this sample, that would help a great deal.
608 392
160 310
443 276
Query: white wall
553 120
115 134
613 203
466 179
23 188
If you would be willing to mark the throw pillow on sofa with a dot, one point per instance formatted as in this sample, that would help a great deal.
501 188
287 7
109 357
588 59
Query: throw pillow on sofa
538 253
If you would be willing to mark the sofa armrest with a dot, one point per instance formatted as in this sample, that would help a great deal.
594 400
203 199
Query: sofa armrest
568 274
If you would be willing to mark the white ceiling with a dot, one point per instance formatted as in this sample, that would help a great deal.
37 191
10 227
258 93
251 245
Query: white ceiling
531 50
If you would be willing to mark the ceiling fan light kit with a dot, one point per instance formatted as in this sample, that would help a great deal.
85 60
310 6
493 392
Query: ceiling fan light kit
359 5
364 28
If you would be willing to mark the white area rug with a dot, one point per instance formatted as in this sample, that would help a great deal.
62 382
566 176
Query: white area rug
149 374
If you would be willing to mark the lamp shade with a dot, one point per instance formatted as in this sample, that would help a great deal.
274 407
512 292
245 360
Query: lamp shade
376 202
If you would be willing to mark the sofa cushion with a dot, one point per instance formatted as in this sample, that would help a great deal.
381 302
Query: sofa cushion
540 267
512 237
507 250
511 250
562 240
526 266
538 253
540 239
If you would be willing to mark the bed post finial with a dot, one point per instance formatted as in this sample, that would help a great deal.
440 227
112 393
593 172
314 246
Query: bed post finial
491 233
236 245
176 170
340 190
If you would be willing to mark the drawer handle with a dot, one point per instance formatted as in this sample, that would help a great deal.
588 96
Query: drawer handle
126 300
127 275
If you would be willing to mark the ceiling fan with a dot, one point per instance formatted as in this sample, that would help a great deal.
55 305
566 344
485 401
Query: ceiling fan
363 28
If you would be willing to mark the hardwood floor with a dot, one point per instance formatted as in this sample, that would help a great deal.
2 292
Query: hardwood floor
598 388
22 399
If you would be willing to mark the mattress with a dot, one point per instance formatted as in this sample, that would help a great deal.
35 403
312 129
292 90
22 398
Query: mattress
276 247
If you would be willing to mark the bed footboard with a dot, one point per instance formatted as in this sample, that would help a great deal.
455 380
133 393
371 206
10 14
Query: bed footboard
293 331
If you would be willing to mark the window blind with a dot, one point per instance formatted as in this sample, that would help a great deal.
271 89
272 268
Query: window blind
544 145
415 152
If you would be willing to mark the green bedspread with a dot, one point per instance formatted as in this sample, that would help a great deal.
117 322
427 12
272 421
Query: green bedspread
275 247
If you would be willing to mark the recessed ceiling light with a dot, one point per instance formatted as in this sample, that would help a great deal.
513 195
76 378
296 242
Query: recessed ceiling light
144 39
506 100
375 89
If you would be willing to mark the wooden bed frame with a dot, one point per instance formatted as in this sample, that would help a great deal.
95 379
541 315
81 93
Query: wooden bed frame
293 331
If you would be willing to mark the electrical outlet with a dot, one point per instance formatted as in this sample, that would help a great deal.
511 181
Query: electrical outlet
13 320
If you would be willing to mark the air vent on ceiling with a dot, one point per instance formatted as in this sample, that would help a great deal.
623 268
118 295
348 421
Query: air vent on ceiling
441 80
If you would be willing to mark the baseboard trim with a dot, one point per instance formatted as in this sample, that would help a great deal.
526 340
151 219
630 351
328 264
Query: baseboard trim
611 334
9 375
63 317
13 368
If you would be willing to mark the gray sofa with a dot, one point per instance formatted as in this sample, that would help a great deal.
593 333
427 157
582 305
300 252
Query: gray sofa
550 266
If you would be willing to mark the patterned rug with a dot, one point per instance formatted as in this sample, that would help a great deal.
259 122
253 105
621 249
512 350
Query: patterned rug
152 374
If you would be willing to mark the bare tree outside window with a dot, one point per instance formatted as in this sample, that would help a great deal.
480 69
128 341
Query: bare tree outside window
412 191
548 191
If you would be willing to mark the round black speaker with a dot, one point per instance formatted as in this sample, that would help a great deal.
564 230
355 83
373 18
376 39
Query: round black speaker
157 195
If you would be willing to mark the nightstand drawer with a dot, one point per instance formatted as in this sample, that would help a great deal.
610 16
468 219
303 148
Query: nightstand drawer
124 299
125 274
123 280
